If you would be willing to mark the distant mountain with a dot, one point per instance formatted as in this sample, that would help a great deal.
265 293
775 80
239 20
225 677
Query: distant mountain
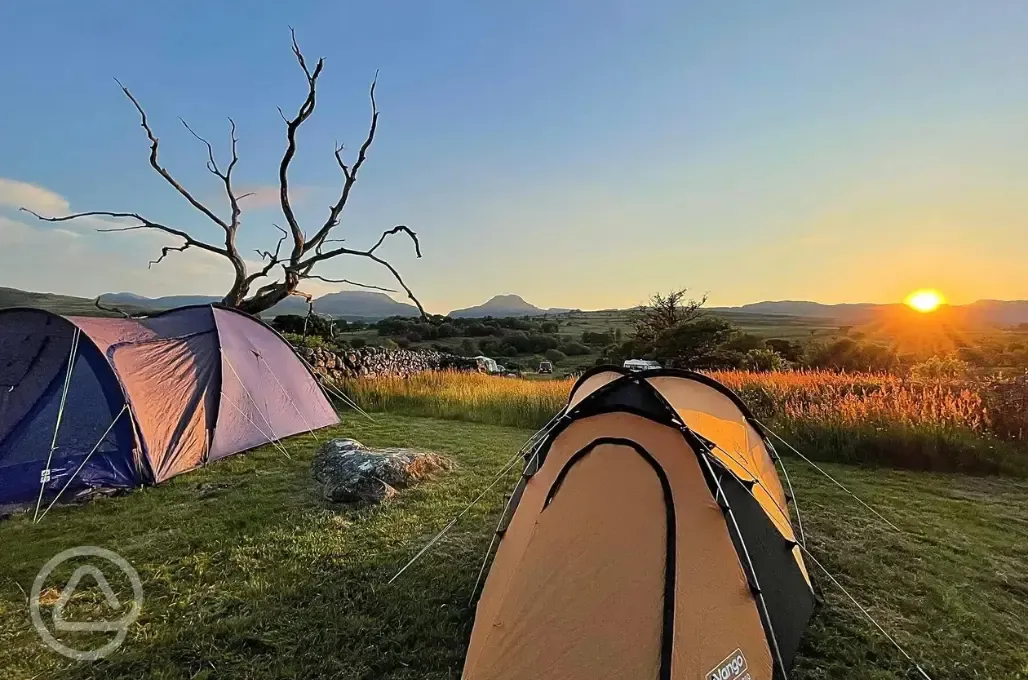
505 305
852 313
998 312
157 304
357 304
982 312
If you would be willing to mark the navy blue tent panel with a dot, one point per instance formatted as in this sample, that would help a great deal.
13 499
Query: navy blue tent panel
35 347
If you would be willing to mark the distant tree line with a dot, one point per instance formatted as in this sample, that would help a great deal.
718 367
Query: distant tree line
671 329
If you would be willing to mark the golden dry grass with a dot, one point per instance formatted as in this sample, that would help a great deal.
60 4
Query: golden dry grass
463 396
867 418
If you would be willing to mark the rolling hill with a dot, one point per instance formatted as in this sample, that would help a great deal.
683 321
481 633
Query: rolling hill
370 305
981 312
349 304
67 305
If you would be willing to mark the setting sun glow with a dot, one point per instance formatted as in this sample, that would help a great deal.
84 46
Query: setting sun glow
925 300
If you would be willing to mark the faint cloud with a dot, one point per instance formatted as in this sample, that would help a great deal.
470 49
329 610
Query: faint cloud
15 194
72 257
265 196
12 232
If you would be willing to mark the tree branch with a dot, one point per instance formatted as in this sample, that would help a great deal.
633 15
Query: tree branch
161 170
164 253
226 178
112 308
212 164
352 283
349 174
242 281
398 228
306 109
272 259
144 224
304 267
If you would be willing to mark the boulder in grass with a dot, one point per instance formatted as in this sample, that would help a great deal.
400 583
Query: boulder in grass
346 471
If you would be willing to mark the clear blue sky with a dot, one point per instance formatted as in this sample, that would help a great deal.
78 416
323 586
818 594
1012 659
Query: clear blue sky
577 153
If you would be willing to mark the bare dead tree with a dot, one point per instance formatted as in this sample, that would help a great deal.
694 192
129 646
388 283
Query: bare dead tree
298 263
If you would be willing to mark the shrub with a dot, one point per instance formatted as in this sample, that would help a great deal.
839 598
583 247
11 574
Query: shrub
555 355
790 351
940 368
847 354
311 341
357 343
764 360
574 349
315 325
598 339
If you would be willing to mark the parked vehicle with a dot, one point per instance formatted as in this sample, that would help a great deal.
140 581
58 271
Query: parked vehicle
546 367
641 364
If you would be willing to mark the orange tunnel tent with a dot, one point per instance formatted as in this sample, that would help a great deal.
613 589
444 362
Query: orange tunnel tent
648 538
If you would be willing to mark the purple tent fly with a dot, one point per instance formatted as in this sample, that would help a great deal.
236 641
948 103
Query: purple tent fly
90 402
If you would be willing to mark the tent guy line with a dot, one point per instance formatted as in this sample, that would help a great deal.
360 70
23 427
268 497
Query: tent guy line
533 441
830 478
863 610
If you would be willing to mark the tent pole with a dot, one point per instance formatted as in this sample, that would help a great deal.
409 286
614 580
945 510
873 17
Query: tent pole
44 476
83 463
757 481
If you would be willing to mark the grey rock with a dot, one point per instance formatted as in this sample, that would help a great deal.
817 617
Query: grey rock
345 471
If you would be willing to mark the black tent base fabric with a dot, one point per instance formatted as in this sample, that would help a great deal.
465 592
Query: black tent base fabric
649 537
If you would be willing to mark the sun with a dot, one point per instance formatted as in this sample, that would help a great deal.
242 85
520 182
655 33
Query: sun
925 300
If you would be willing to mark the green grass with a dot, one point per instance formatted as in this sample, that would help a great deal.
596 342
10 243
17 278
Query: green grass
248 575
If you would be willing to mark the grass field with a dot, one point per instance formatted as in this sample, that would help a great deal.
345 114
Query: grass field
764 325
248 575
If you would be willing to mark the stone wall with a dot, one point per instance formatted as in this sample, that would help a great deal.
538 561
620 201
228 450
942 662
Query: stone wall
377 361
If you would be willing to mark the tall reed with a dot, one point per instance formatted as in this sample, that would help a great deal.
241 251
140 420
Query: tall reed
872 418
